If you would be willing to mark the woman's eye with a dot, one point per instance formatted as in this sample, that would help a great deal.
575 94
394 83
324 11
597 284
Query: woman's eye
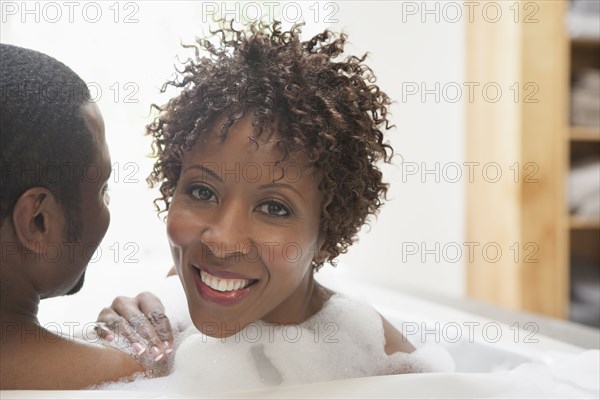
274 209
203 193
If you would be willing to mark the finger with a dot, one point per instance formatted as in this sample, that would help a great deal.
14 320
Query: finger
153 308
103 332
162 326
144 328
157 334
141 330
106 317
128 308
122 304
111 323
124 330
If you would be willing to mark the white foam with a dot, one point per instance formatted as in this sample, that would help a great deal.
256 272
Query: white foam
344 340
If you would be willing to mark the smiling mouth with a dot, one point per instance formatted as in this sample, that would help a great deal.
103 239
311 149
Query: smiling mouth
225 285
220 290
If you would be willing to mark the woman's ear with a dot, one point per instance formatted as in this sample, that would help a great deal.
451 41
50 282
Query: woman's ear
322 254
38 219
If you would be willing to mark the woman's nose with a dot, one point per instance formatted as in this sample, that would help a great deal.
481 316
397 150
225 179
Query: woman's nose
229 231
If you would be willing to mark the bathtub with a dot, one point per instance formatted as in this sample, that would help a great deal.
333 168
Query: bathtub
493 359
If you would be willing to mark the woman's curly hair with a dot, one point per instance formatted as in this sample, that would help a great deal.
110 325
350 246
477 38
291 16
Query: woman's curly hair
330 110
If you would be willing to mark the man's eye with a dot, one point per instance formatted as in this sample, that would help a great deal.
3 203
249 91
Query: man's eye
106 195
203 193
274 209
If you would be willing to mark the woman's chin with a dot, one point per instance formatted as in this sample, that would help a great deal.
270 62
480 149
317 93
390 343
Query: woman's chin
219 329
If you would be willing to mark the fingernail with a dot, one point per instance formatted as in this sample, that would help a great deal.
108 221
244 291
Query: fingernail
156 353
168 348
139 349
109 338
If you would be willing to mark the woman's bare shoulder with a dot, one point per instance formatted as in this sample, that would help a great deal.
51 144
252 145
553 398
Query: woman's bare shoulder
394 340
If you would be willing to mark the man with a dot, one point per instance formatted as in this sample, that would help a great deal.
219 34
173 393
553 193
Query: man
55 165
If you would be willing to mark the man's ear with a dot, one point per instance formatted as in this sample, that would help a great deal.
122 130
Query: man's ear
38 219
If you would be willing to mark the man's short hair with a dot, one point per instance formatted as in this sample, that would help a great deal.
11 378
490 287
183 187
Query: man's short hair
44 138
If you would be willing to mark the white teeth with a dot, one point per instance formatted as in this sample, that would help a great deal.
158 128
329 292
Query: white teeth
223 285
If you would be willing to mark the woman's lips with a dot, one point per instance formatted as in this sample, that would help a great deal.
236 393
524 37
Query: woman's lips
221 296
219 273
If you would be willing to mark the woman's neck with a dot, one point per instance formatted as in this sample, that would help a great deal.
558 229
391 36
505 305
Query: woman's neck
302 304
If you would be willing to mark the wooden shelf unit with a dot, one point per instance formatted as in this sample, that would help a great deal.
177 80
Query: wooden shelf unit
581 224
584 134
584 140
538 132
584 144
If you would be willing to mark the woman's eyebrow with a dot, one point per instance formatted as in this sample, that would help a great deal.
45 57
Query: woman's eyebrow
281 185
206 170
211 173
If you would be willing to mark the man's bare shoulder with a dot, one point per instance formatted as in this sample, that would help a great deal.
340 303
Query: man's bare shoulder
56 363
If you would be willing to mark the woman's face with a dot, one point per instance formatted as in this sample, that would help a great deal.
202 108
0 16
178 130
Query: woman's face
243 227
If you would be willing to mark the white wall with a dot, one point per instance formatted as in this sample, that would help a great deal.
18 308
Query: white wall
402 54
137 57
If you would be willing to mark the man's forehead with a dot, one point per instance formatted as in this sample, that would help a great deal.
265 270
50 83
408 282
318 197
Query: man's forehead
94 120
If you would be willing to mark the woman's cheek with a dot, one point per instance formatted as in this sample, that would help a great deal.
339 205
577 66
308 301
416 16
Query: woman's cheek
284 247
182 227
291 256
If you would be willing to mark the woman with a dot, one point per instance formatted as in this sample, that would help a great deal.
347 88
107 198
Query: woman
266 163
